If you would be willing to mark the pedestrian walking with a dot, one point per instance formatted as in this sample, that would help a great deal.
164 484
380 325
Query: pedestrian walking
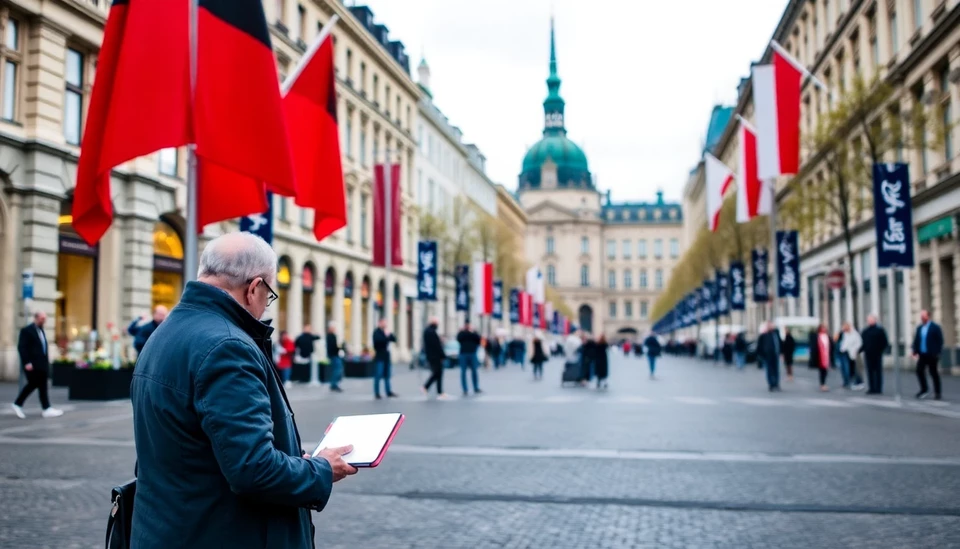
333 356
381 359
35 363
850 345
587 354
284 356
740 350
875 343
602 361
788 350
768 353
493 352
142 328
469 341
538 358
927 346
821 354
305 347
219 457
653 353
433 351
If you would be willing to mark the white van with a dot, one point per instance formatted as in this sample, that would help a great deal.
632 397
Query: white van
800 328
707 342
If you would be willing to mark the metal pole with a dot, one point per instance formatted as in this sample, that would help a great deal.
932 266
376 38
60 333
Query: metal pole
774 295
895 345
388 236
191 246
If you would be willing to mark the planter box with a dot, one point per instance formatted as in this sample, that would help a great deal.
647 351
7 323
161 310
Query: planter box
359 368
90 384
60 373
300 373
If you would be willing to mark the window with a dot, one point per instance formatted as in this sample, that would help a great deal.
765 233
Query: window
386 98
613 309
550 245
674 248
283 208
304 218
658 279
363 78
643 279
642 249
894 33
643 309
376 146
363 220
350 217
585 276
167 161
363 145
611 249
11 65
348 130
924 156
73 101
299 26
349 64
658 248
917 14
628 309
628 278
280 6
376 89
397 115
551 275
612 279
584 245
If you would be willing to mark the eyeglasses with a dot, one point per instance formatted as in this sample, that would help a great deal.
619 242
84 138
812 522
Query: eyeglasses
271 295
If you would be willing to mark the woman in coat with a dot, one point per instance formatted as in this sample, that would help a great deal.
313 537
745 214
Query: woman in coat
822 354
788 349
538 358
286 348
601 361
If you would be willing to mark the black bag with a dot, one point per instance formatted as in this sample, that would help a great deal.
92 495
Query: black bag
121 516
571 372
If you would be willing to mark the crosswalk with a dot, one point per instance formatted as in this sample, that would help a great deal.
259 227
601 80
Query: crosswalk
777 401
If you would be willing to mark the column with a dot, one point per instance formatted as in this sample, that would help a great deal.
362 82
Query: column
43 103
137 275
317 312
356 318
337 308
295 300
883 38
858 316
402 327
815 292
936 309
367 338
875 284
838 318
931 88
954 91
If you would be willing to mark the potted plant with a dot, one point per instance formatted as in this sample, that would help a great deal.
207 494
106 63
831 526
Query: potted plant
61 370
98 380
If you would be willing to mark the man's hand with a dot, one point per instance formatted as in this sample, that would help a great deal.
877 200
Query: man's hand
334 456
28 367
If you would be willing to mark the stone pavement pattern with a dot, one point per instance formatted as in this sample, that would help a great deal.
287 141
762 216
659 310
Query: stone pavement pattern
702 457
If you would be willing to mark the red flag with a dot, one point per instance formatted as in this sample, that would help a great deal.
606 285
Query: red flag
239 124
310 107
140 102
776 98
482 288
379 217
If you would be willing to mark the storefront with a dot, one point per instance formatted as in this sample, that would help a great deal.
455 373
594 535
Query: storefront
308 278
75 315
283 292
348 307
366 334
329 284
167 266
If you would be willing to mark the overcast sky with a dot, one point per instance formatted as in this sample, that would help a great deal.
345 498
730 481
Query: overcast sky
639 78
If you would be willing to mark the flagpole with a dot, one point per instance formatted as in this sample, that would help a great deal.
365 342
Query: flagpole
774 296
308 55
798 65
191 244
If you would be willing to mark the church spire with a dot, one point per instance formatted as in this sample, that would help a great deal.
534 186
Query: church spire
553 105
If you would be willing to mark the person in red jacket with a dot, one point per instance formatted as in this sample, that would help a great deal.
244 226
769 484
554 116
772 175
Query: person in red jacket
285 356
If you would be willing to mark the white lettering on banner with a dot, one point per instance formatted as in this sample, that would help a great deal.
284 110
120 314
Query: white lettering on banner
738 296
426 261
257 221
462 298
788 277
426 285
894 238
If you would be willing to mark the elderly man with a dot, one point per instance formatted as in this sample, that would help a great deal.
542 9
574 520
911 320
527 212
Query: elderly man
768 353
142 328
875 343
219 455
35 361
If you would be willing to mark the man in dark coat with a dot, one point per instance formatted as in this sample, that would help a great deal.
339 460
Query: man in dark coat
141 329
220 462
334 358
927 346
653 352
381 358
788 350
433 350
875 343
768 352
304 345
35 363
469 343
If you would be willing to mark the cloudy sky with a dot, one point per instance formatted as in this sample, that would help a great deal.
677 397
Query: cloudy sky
639 78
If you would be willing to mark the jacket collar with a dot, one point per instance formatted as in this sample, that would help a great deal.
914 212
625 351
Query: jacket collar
205 296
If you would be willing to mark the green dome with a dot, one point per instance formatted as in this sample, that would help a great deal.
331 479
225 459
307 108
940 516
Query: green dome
571 163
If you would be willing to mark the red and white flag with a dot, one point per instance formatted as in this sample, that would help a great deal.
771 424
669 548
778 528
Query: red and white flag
776 100
526 309
749 186
719 179
483 288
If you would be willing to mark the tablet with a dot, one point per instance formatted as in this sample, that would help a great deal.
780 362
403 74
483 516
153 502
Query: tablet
370 436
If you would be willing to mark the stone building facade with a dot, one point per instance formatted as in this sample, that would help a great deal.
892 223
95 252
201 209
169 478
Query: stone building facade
608 261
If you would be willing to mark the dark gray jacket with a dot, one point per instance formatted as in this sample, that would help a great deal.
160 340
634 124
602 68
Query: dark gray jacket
220 462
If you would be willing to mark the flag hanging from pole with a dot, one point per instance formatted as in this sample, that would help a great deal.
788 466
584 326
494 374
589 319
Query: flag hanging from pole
749 185
482 288
719 179
379 217
535 286
776 99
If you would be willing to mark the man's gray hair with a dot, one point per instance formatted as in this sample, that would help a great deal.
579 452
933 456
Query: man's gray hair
237 258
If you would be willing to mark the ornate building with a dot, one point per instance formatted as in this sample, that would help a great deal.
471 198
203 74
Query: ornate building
608 261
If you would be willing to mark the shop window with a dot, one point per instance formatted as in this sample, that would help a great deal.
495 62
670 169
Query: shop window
284 274
167 266
75 316
348 307
307 278
329 285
